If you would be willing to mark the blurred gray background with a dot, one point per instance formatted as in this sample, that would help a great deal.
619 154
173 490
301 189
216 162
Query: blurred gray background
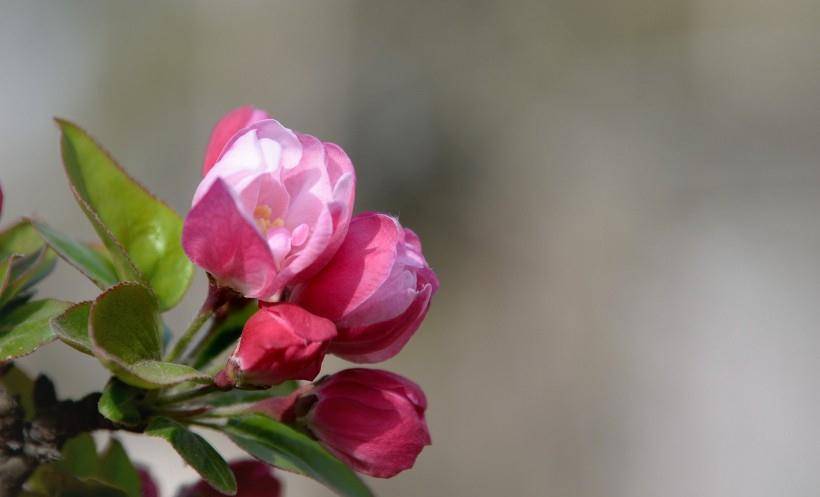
622 200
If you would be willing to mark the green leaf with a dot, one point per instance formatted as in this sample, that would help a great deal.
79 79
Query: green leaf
26 328
19 238
72 327
5 273
117 469
25 271
80 457
19 385
283 447
141 233
124 324
223 335
25 260
125 332
197 452
50 480
159 374
87 260
120 403
113 467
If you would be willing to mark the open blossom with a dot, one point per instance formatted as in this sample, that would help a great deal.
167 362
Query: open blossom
253 479
372 420
271 210
278 343
377 289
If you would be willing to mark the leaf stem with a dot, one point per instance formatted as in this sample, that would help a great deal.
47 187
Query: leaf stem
217 298
187 395
200 319
205 424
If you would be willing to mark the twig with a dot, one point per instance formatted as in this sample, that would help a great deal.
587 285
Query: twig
24 445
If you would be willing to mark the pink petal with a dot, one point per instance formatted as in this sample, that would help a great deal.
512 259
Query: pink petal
219 238
381 341
360 267
224 130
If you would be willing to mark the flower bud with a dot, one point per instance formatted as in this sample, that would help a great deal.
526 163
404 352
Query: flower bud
271 211
377 289
278 343
372 420
253 479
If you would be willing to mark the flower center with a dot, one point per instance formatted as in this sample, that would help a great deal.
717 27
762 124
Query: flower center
262 215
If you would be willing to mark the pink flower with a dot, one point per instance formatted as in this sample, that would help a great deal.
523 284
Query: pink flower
147 485
377 289
279 342
372 420
272 210
253 479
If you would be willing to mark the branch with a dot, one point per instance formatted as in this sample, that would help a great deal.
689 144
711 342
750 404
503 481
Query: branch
24 445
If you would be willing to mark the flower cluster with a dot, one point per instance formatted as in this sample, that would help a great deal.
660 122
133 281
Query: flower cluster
273 220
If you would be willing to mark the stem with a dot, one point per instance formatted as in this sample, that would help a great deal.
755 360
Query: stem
217 297
206 424
200 319
24 445
189 395
182 413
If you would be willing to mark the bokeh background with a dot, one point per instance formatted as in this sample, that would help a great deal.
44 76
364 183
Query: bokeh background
621 197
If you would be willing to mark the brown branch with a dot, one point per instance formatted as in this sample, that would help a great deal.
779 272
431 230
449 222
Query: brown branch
24 445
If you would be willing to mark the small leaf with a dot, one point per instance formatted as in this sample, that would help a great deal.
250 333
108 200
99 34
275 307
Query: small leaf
124 327
141 233
117 469
20 386
20 238
159 374
283 447
120 403
5 272
24 260
124 322
72 327
26 328
87 260
25 271
50 480
80 457
114 468
223 335
197 452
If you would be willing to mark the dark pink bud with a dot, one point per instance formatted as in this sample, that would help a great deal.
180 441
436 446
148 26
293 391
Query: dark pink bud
373 420
147 484
279 342
253 479
377 289
283 408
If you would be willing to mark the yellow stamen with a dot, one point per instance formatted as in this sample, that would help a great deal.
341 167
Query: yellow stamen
262 214
262 211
